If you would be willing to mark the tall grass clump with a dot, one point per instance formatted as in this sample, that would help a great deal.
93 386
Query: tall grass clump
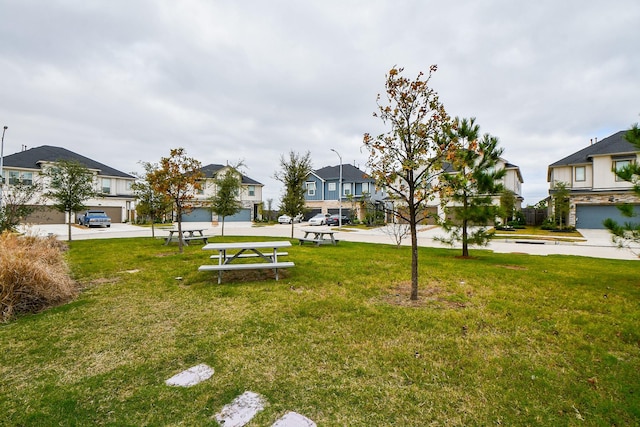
33 275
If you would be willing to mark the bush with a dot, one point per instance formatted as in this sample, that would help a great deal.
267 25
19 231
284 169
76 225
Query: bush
33 275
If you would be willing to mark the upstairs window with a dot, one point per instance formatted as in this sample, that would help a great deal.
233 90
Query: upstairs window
332 186
14 178
251 189
346 189
311 188
580 173
619 165
106 185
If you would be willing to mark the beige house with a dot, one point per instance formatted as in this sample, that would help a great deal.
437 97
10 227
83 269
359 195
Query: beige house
29 166
512 181
594 188
250 197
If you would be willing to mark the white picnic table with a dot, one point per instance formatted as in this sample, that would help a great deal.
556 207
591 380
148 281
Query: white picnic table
187 235
266 253
320 236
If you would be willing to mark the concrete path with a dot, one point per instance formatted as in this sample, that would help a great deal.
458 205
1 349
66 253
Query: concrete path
597 243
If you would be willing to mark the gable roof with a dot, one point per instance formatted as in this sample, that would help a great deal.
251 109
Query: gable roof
611 145
349 173
211 170
31 159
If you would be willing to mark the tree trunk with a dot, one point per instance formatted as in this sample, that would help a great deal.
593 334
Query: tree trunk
180 242
69 225
292 228
414 260
465 223
222 230
465 243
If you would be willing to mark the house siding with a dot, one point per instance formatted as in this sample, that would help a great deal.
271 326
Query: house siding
601 188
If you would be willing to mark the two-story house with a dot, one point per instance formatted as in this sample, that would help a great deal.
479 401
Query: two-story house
250 197
29 166
594 188
323 191
512 181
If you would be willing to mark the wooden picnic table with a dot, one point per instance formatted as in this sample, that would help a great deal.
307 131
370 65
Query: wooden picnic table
187 235
318 236
256 250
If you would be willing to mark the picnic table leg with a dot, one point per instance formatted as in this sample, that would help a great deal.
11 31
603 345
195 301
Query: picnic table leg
221 255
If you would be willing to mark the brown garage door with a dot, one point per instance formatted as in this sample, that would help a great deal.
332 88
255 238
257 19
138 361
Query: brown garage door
115 213
45 215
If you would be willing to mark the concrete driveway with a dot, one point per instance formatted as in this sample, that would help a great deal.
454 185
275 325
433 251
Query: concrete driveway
597 243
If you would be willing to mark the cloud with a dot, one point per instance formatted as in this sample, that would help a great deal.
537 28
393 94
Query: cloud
127 81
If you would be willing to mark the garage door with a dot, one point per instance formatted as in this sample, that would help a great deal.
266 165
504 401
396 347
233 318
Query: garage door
243 215
115 213
45 215
591 216
197 215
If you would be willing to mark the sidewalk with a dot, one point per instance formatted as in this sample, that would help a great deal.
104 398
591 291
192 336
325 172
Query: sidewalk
597 243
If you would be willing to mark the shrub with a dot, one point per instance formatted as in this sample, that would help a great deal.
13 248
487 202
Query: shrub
33 275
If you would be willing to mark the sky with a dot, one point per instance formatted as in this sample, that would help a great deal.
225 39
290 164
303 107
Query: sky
126 81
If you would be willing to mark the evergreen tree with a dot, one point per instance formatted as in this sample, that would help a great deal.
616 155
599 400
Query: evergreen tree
293 174
470 183
70 185
227 189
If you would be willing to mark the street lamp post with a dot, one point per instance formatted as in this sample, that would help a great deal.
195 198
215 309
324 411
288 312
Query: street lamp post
339 191
4 129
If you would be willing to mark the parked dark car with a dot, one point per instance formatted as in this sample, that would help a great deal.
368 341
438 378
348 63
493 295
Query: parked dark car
335 220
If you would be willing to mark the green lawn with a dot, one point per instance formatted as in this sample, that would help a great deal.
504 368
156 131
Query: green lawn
500 339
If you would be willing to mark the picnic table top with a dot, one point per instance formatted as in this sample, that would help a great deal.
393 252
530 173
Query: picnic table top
246 245
318 230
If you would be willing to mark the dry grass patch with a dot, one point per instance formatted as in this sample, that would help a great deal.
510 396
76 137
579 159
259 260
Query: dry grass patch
33 275
427 296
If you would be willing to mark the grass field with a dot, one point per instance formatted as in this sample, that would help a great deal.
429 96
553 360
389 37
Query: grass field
499 339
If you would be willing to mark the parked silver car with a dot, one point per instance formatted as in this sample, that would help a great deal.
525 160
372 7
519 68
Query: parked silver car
286 219
318 219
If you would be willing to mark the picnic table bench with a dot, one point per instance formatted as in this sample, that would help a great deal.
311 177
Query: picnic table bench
267 260
318 237
187 236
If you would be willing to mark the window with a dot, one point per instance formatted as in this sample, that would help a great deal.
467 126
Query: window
366 189
106 185
618 165
332 186
580 173
311 188
200 190
346 189
252 190
14 178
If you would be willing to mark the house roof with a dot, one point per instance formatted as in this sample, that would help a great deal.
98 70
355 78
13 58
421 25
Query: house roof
349 173
211 170
31 159
611 145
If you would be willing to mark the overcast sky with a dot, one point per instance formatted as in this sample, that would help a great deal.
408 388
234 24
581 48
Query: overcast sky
125 81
